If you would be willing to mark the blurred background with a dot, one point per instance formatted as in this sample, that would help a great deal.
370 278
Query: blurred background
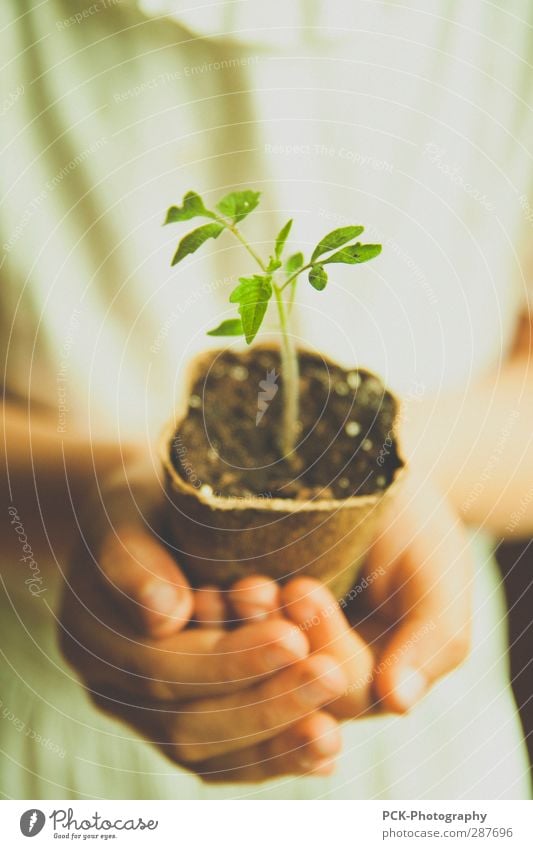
516 563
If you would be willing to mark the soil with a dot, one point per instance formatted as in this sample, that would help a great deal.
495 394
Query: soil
345 444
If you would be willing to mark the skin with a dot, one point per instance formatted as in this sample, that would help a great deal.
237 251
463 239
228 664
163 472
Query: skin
265 697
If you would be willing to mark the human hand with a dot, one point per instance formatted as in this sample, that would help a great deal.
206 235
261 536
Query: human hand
240 704
419 599
406 622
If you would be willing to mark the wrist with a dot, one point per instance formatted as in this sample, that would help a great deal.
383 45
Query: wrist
130 494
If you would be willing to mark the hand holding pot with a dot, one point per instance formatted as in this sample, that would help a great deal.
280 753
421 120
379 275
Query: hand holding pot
231 705
413 608
419 602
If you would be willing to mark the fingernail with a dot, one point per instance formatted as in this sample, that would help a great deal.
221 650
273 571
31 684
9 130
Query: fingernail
327 746
326 687
307 613
161 598
410 687
253 611
308 763
324 766
277 656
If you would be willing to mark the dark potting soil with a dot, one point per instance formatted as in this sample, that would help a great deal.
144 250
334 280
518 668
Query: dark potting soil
227 443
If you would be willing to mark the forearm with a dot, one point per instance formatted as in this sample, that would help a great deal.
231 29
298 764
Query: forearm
478 446
50 473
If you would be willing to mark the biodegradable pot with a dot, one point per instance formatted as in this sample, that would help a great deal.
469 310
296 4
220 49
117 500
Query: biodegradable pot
220 539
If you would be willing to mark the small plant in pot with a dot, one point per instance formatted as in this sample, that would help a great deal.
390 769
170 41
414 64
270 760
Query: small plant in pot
262 481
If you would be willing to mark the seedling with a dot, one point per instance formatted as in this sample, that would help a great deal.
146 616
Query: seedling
278 279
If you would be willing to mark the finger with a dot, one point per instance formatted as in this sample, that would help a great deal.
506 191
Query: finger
311 606
196 662
255 597
432 593
209 608
213 727
419 653
145 579
309 747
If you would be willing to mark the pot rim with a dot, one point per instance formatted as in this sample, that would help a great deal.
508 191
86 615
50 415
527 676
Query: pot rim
257 502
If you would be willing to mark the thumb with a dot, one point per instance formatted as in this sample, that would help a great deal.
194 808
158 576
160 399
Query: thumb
145 580
431 591
420 652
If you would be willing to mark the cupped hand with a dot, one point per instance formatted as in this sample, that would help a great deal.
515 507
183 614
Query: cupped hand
407 620
418 603
230 704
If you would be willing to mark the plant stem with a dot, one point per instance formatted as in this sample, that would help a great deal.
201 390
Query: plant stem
293 277
290 372
238 235
289 356
290 302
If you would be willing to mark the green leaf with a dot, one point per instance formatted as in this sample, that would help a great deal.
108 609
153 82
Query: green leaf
273 265
192 207
252 294
229 327
281 238
355 253
335 239
318 277
192 241
294 262
237 205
